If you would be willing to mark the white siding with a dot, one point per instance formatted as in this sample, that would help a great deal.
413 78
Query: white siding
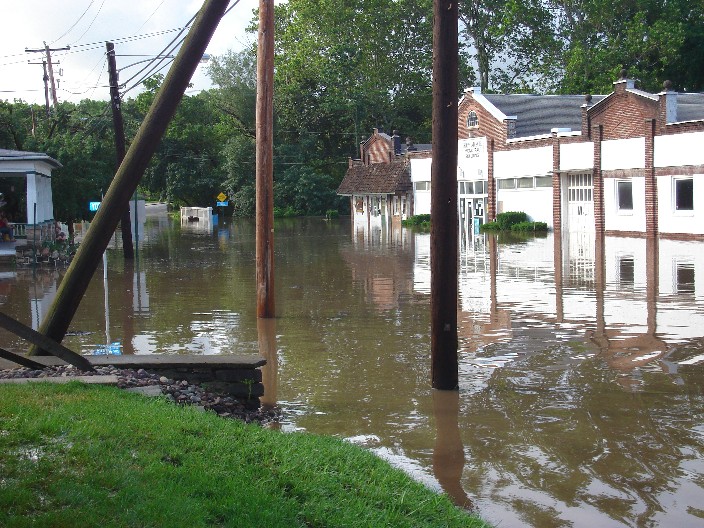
679 149
420 172
623 154
526 162
616 220
672 221
536 203
577 156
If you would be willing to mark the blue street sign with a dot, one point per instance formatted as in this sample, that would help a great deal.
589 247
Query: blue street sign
222 204
93 206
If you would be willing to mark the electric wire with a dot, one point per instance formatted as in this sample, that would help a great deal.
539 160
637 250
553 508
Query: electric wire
150 16
174 45
91 22
75 23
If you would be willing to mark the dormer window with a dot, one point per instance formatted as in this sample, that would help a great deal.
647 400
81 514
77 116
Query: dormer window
472 119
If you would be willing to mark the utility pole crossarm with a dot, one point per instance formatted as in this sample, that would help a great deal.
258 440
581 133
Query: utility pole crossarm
47 50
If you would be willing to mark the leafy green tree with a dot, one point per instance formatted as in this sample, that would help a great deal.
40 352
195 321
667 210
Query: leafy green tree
367 65
601 38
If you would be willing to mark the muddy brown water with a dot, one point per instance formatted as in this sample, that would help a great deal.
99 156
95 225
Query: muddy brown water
581 364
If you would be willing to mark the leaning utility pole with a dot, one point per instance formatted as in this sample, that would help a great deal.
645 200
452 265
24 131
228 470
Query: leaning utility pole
265 161
118 125
79 273
443 195
47 50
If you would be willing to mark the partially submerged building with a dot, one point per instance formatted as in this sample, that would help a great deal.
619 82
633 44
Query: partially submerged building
629 163
25 181
379 183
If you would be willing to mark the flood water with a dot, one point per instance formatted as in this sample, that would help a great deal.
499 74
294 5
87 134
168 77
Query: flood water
581 364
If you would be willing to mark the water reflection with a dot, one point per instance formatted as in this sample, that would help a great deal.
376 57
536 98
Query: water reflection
581 391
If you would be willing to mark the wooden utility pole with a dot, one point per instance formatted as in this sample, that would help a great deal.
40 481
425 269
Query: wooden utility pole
265 161
78 276
443 207
119 126
46 85
50 67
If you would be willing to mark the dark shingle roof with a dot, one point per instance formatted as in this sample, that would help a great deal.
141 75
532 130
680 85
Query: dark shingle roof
377 178
7 155
690 106
538 114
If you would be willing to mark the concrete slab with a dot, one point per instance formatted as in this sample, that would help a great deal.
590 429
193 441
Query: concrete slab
162 361
92 380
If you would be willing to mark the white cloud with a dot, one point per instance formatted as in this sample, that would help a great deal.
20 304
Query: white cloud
30 23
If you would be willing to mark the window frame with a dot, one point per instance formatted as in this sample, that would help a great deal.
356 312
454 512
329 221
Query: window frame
624 209
675 205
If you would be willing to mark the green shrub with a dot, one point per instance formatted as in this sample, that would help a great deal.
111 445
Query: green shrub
490 226
286 212
331 213
506 220
529 226
417 221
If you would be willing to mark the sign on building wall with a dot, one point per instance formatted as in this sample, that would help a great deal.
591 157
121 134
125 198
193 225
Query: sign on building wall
472 159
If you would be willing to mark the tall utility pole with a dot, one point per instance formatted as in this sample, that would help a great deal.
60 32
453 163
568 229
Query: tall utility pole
265 161
76 279
443 207
118 125
47 51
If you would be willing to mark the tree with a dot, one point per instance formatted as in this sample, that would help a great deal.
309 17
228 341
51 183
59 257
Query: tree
600 38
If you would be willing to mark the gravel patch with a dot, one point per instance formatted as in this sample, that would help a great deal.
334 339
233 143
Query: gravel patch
178 391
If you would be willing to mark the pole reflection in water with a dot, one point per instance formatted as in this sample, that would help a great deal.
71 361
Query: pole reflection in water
448 453
266 333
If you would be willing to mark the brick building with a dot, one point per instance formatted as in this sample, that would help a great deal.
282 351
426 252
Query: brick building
629 163
379 183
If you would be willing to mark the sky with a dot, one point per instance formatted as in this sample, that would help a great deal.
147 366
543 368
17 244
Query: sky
140 30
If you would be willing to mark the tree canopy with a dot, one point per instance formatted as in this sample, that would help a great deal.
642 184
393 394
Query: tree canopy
344 68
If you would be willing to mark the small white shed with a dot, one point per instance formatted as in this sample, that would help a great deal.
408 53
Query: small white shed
32 170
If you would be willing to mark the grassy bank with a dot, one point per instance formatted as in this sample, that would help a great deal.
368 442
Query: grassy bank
74 455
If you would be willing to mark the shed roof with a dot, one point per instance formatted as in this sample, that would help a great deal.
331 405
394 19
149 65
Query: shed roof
20 155
377 178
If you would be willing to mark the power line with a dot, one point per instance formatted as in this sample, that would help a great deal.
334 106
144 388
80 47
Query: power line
91 22
75 23
150 16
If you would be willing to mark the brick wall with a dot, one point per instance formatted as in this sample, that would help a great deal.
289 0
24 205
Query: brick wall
377 149
488 125
621 115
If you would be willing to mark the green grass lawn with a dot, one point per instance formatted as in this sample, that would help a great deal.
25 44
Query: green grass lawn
78 455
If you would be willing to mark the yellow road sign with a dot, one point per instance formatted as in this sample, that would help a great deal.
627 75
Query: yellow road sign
221 197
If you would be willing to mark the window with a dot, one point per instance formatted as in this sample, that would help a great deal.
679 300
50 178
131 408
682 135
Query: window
507 184
624 190
684 195
479 187
472 119
626 271
422 186
543 181
684 277
525 183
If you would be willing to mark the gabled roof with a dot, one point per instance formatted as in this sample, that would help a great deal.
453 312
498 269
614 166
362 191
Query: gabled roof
539 114
690 106
19 155
377 178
